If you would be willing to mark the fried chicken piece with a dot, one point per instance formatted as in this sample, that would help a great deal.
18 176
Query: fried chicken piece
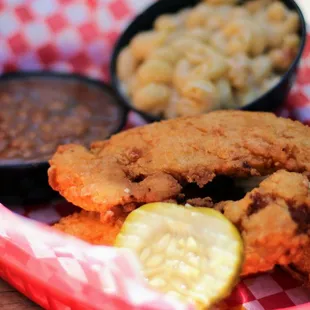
201 202
153 162
300 269
274 220
88 227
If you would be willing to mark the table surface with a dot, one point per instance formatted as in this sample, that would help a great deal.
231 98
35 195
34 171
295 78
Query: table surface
10 299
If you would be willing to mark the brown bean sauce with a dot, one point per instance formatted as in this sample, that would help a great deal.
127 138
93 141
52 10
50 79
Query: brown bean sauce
38 114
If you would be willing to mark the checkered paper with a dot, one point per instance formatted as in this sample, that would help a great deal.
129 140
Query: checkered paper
62 35
59 272
265 292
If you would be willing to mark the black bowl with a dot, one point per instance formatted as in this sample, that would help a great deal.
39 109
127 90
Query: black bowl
23 182
269 101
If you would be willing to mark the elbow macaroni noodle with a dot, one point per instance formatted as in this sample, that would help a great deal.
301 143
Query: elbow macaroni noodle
216 55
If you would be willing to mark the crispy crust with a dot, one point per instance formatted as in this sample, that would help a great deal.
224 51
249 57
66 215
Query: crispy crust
267 219
301 268
88 227
274 221
151 163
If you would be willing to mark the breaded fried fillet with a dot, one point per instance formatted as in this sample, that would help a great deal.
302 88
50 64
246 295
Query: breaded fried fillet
301 268
154 162
274 220
88 227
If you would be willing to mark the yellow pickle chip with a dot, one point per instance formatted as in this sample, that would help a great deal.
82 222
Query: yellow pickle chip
191 253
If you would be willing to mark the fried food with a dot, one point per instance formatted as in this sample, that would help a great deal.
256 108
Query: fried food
301 268
88 227
154 162
274 220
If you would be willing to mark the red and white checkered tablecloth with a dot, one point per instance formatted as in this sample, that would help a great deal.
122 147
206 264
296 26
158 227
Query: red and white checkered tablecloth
66 35
78 36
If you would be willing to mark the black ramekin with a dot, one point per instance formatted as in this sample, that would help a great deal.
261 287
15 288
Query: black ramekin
27 183
269 101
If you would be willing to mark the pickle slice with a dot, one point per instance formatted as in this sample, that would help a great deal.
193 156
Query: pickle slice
194 254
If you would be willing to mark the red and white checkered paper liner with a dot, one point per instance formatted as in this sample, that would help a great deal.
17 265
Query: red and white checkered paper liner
60 272
265 292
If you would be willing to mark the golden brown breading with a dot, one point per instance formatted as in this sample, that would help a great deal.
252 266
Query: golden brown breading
88 227
301 268
153 162
274 220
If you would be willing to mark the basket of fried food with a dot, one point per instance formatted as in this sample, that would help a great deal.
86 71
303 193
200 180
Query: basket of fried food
201 201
